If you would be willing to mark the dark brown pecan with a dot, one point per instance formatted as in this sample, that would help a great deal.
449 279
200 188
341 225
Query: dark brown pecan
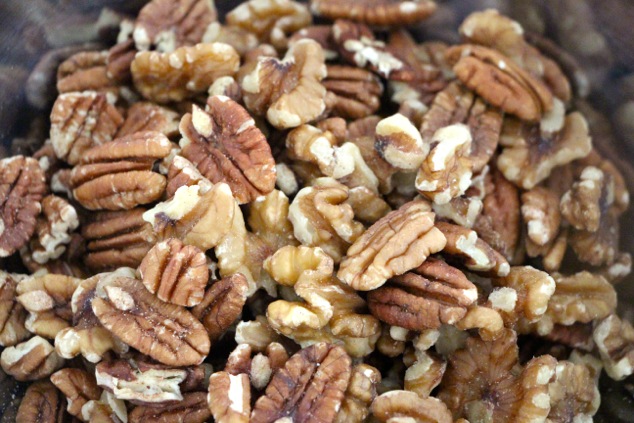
78 386
226 146
165 25
222 305
192 408
168 333
322 34
42 403
84 71
80 121
432 294
500 81
118 175
116 239
309 388
230 397
12 314
353 93
22 187
120 57
375 12
145 116
175 272
456 104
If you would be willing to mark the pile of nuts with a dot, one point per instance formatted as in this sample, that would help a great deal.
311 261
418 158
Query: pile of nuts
275 220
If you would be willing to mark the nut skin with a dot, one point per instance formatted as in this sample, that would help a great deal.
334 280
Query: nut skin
22 187
192 409
80 121
42 402
404 238
78 386
226 146
168 333
310 387
175 272
222 305
118 175
374 12
353 93
224 406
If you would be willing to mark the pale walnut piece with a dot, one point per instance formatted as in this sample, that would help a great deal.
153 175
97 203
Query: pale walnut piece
531 152
258 367
175 272
42 402
407 406
53 230
221 305
500 81
431 295
484 382
118 175
168 333
226 146
359 395
115 239
310 387
456 104
31 360
446 172
12 314
427 370
464 246
540 211
289 91
601 247
270 20
322 218
353 93
581 205
614 338
192 408
22 187
85 71
375 12
398 242
533 290
400 143
166 24
145 116
183 73
574 394
47 299
80 121
268 219
78 386
229 397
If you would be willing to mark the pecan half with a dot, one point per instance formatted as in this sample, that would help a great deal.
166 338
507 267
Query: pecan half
12 314
432 294
192 408
118 175
396 243
175 272
310 387
408 406
78 386
375 12
42 402
31 360
22 187
80 121
226 146
166 332
229 397
145 116
84 71
353 93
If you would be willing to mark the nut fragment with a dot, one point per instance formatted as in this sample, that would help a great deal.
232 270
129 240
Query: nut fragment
400 143
226 146
41 403
268 219
166 332
118 175
581 205
376 12
12 314
80 121
229 397
614 338
289 92
353 93
432 294
78 386
22 186
396 243
145 116
533 289
175 272
183 73
540 210
84 71
359 395
192 408
400 405
53 230
31 360
574 394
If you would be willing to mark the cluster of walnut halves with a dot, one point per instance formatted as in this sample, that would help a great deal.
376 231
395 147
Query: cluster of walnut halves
243 186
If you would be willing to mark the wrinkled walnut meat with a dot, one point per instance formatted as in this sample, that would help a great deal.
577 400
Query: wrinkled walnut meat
375 12
54 229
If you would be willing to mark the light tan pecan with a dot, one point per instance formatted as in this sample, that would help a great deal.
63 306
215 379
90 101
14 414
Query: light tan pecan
574 393
237 37
145 116
400 143
85 71
614 338
183 73
221 305
456 104
107 409
226 86
12 314
31 360
175 272
53 229
310 387
271 20
540 211
229 397
359 395
289 91
353 93
375 12
80 121
78 386
398 242
22 187
430 295
226 146
42 402
500 81
182 172
168 333
192 408
166 25
408 406
118 175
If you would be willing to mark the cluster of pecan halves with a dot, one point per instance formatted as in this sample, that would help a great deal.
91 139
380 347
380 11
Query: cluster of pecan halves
229 221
